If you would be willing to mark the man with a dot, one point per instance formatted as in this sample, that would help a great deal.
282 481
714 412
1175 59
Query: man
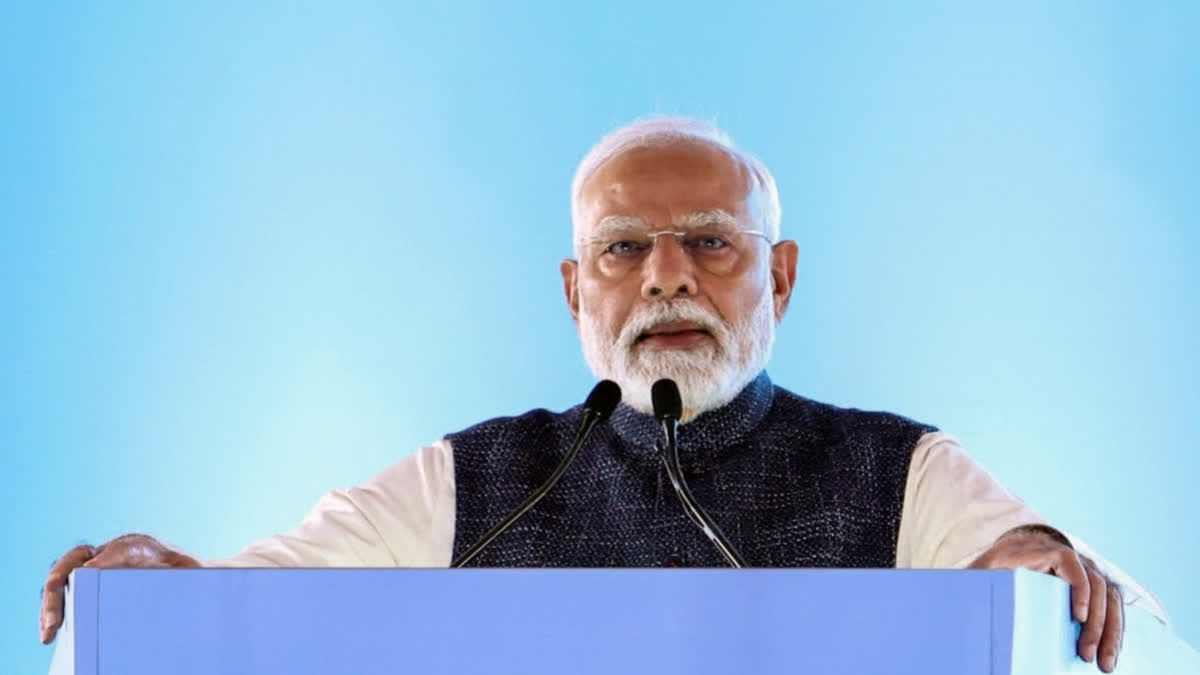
680 272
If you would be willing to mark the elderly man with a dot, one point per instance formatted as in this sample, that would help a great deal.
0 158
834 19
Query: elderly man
680 273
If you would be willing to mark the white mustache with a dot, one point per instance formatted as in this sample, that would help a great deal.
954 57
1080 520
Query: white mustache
664 312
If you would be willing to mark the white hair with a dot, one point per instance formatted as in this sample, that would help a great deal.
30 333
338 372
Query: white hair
660 130
708 377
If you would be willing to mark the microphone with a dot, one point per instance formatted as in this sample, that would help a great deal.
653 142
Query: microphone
599 405
668 408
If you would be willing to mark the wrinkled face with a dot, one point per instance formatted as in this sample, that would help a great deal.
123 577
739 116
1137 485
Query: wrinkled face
672 280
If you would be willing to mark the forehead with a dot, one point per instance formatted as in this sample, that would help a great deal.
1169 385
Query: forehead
664 183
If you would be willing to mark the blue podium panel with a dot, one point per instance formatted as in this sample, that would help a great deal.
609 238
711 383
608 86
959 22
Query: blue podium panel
365 621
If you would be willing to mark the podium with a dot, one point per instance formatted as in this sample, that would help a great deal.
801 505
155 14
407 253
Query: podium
533 621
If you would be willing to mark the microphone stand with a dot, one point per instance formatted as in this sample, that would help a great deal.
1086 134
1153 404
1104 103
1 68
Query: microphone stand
669 453
599 405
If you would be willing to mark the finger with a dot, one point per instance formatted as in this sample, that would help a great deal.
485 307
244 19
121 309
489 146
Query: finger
1121 642
1089 637
1114 630
51 614
1070 569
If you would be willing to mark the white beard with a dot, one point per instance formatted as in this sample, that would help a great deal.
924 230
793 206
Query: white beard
709 376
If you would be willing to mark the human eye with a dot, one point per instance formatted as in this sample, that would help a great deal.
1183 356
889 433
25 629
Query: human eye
624 248
708 241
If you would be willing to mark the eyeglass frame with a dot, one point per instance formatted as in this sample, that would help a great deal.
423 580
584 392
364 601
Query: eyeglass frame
679 236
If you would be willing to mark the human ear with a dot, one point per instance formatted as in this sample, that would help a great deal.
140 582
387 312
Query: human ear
783 274
570 276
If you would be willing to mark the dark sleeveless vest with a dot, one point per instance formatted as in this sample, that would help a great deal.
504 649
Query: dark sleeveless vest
792 483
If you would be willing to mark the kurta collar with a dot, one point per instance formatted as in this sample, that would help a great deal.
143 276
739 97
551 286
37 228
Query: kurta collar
709 431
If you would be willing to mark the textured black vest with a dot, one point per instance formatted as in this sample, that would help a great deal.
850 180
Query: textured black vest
790 481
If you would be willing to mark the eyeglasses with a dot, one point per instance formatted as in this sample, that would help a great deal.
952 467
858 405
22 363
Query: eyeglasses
705 243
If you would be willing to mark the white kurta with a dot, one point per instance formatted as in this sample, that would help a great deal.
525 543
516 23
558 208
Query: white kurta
404 517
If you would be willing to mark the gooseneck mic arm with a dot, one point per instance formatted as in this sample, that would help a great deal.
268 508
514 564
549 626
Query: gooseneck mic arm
599 405
668 408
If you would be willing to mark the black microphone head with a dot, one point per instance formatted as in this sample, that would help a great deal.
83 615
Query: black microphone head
665 397
603 400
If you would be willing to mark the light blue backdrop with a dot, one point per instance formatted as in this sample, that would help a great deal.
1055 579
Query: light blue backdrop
249 254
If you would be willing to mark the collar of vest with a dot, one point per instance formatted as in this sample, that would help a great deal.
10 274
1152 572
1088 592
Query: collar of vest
711 430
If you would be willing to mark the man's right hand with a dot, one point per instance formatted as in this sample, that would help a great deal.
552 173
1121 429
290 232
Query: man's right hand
130 550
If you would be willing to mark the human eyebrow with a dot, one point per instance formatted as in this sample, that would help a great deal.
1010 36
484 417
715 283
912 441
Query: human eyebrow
615 225
708 218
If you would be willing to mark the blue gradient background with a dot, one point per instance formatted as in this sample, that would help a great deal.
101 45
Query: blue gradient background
249 254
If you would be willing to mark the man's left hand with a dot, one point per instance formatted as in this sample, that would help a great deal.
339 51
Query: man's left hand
1096 601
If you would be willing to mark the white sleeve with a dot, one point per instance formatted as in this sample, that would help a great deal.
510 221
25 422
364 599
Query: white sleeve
954 510
402 517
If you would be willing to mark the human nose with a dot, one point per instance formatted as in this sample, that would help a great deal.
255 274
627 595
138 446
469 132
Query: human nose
668 271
